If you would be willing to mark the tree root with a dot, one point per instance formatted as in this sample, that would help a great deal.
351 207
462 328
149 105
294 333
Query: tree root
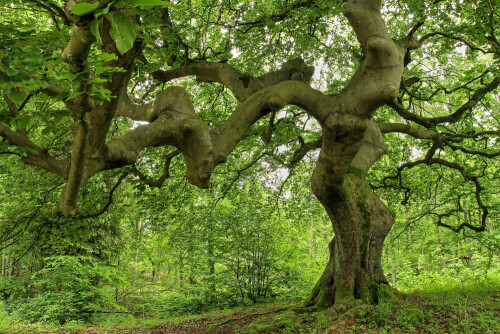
231 320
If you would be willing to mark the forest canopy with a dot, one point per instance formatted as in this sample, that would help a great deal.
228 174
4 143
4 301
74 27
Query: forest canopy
134 120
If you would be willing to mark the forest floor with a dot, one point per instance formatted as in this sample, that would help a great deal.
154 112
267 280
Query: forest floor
437 312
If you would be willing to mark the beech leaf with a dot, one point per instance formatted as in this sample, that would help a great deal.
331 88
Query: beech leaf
17 95
83 8
122 31
94 29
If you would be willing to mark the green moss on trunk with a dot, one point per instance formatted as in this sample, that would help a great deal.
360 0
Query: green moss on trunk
358 172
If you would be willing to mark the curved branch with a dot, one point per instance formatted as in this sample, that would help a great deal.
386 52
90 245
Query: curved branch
403 112
241 85
473 101
165 175
226 136
430 123
110 198
40 159
456 38
54 10
176 125
303 150
473 152
409 130
468 177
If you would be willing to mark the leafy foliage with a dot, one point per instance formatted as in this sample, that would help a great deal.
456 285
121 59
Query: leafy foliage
67 288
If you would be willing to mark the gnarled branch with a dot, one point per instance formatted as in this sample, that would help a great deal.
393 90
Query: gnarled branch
241 85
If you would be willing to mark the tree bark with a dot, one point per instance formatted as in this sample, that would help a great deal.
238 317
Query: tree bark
351 145
360 223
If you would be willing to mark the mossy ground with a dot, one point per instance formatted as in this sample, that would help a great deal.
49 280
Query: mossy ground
427 312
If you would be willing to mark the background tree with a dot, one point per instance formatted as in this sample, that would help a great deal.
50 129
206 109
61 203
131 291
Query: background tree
73 115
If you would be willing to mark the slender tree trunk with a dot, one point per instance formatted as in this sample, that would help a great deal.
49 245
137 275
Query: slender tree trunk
409 231
443 260
137 249
6 266
468 219
153 271
210 252
393 272
309 251
360 222
181 269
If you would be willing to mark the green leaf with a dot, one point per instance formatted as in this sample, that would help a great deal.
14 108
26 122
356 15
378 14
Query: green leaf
100 12
17 94
144 3
23 122
108 57
94 29
47 130
11 72
83 8
122 31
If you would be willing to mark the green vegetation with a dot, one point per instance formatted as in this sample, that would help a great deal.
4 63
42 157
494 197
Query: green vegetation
199 166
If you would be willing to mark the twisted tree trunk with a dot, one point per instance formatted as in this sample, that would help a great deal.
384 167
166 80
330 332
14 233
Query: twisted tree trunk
360 222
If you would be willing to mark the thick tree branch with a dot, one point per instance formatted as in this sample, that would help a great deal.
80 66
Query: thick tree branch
241 85
176 125
372 148
38 157
167 29
11 105
377 79
403 112
409 130
226 136
69 205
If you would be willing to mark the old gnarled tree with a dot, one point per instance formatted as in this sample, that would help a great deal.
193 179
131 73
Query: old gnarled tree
351 140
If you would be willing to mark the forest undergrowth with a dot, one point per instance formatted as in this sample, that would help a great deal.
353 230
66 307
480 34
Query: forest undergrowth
443 305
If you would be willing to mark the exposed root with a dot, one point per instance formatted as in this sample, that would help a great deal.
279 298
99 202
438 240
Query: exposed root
231 320
392 307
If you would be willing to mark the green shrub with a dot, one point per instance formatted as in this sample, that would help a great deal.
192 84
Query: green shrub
68 288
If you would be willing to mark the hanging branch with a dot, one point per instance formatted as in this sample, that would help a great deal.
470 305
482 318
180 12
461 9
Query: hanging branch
429 160
110 198
303 150
165 175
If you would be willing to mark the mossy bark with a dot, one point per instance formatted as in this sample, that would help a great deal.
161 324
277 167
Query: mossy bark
354 271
